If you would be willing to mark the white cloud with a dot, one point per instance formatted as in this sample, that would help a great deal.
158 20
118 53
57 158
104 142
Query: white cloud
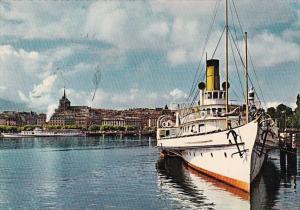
101 98
175 28
106 21
186 9
134 98
30 60
177 56
3 88
45 87
270 50
185 32
178 95
266 12
293 32
42 19
23 97
18 69
157 29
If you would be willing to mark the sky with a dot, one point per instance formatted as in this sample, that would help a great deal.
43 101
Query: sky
144 53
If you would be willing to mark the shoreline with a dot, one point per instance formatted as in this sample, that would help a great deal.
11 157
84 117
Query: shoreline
83 134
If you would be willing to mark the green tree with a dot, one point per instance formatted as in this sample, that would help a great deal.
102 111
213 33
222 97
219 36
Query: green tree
28 128
131 128
295 121
272 112
283 109
71 127
120 128
104 127
94 128
298 103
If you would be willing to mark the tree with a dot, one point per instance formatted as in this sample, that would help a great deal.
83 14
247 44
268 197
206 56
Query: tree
298 103
94 128
272 112
130 128
295 121
105 128
281 108
28 127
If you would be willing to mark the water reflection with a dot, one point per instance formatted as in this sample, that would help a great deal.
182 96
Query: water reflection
200 191
264 190
176 179
74 143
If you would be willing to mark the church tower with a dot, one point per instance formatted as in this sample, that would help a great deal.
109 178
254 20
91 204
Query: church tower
64 103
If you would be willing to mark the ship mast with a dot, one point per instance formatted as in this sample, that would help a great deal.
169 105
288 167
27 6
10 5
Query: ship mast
226 60
246 77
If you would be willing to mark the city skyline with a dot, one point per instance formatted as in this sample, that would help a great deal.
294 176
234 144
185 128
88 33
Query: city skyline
145 52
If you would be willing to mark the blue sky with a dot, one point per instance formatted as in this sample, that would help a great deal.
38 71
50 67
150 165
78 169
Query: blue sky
147 52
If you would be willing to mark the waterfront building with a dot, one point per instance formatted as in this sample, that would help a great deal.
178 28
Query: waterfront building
84 116
41 119
66 114
113 121
14 118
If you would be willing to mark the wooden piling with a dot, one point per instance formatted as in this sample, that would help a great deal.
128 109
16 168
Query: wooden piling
283 159
292 155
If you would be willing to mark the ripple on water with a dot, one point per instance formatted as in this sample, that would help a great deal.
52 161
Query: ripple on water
97 173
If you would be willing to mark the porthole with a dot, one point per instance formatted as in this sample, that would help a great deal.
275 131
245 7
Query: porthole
211 154
225 154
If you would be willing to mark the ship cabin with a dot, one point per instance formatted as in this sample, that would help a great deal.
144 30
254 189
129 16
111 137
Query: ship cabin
210 113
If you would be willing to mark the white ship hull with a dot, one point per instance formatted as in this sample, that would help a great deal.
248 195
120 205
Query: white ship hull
217 154
40 134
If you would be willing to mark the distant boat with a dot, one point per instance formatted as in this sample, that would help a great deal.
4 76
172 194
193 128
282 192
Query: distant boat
37 132
225 141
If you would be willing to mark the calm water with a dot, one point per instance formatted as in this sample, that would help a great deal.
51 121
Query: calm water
110 173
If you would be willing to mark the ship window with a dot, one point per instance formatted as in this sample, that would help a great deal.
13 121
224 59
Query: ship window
211 154
215 95
214 110
193 129
220 110
221 95
208 111
209 95
167 132
201 154
194 154
225 154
